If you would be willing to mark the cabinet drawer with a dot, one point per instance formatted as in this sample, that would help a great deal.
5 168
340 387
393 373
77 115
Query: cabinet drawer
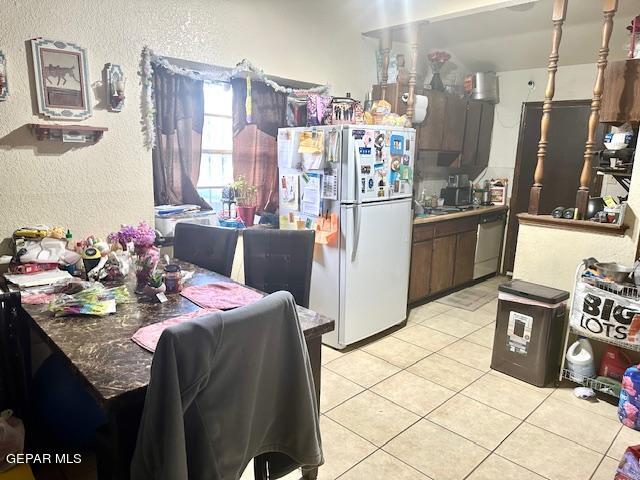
422 232
451 227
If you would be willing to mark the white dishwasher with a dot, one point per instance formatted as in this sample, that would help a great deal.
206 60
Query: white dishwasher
489 245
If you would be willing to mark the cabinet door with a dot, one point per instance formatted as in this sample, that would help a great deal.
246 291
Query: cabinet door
442 263
484 137
465 257
455 113
471 133
430 133
420 270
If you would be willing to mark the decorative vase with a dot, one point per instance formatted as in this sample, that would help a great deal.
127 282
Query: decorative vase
246 214
150 291
146 260
436 82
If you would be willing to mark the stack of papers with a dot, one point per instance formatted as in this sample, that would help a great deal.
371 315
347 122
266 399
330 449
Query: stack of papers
48 277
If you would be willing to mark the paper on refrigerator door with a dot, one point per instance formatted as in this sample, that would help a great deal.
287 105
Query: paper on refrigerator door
311 199
286 150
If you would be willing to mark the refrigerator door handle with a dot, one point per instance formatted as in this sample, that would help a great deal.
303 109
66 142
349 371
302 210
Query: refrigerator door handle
356 231
356 176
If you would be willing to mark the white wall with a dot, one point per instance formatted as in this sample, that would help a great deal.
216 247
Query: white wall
573 82
95 188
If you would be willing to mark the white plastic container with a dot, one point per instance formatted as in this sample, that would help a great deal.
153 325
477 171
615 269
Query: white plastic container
580 361
166 224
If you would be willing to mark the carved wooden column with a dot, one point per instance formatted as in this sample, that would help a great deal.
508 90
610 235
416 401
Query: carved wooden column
559 15
414 38
385 50
609 8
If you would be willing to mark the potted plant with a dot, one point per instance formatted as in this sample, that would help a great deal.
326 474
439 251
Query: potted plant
246 199
155 285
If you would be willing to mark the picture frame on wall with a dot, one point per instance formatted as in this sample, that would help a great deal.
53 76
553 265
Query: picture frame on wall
61 79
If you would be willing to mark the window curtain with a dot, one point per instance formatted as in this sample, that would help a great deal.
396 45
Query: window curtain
179 102
255 154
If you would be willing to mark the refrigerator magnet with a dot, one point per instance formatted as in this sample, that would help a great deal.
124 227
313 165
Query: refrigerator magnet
396 145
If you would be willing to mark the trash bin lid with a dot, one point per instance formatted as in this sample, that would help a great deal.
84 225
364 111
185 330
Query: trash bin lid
534 291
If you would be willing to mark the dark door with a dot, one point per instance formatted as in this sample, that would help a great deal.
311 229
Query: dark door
455 113
562 166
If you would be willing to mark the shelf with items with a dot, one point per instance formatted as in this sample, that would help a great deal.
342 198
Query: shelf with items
602 311
592 383
67 133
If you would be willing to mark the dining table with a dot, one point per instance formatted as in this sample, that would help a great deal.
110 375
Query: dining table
116 371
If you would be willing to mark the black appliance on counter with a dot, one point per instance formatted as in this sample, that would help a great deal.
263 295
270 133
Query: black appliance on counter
458 191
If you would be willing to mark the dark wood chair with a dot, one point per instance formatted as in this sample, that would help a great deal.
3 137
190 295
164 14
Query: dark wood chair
208 247
279 260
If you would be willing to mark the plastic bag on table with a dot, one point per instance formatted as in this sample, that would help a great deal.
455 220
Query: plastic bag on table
11 438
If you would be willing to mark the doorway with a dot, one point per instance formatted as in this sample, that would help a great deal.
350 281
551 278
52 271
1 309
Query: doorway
563 164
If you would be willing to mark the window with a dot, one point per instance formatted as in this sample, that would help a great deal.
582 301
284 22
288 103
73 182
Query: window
216 169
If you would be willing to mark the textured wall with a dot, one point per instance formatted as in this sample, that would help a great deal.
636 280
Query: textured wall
93 189
549 256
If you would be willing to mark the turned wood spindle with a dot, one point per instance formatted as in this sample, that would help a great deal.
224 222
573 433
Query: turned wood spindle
414 37
609 8
559 15
385 50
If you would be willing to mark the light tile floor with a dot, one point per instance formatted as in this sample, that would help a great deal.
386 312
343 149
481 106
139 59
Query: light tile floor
422 403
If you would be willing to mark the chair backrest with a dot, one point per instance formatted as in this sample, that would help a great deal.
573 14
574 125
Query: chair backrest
279 260
208 247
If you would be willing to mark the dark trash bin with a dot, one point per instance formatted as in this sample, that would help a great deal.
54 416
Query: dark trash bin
529 334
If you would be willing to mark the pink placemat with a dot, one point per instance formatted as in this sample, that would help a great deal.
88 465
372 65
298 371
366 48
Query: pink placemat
147 337
222 296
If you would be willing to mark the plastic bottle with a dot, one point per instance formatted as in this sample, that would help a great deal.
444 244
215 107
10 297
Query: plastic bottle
580 362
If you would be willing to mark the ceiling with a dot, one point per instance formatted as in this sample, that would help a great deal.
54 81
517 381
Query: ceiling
519 38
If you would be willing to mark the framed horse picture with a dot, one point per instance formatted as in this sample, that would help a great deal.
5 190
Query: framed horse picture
61 79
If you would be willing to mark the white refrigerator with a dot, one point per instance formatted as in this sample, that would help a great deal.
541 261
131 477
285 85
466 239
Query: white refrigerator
361 176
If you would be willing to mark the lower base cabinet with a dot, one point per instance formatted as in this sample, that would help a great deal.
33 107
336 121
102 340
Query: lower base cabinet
442 257
444 253
421 273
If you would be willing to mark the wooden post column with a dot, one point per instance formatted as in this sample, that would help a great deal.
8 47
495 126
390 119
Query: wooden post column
385 50
414 38
609 8
559 15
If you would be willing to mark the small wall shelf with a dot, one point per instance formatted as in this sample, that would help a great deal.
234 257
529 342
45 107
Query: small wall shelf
584 225
67 133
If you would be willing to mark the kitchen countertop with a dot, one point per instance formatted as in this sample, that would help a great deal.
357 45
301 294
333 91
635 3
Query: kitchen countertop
454 215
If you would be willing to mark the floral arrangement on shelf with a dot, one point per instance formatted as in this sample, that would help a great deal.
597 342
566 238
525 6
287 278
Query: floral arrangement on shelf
146 255
437 59
246 194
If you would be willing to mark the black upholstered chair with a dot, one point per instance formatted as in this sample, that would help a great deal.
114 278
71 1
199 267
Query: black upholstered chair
208 247
279 260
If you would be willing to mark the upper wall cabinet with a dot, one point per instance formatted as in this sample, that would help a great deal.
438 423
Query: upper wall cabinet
621 94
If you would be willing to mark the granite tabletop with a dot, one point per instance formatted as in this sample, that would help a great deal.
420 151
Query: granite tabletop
101 349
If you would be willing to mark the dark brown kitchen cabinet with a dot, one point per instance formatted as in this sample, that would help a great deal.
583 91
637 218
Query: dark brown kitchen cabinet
471 133
442 256
465 257
621 92
442 261
484 135
454 119
420 273
431 130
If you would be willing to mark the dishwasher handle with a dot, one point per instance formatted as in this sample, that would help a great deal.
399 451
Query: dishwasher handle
492 217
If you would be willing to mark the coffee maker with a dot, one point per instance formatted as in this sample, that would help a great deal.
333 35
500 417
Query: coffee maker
458 191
